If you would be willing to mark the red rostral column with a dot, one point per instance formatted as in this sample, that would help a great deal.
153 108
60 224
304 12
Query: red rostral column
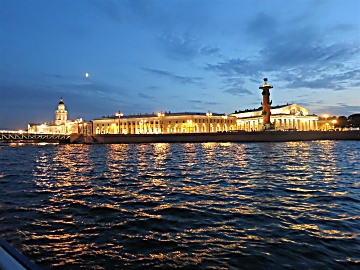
266 103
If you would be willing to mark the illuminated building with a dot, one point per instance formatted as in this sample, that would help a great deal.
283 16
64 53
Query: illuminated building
283 117
164 122
61 124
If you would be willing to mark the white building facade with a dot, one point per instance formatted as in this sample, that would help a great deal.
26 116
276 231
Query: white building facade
285 117
61 124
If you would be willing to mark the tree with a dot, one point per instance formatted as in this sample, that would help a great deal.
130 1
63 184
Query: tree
354 120
342 122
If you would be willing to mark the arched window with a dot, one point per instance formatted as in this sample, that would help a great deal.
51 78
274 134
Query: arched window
183 129
218 127
97 130
169 129
203 128
196 128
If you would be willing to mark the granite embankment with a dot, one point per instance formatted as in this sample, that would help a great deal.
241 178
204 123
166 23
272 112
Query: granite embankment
266 136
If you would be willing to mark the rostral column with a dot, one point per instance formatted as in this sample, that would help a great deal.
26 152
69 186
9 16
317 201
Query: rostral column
266 104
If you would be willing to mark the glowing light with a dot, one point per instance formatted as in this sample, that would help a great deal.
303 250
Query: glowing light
86 75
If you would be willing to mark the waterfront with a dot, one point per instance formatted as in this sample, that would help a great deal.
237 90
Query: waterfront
194 206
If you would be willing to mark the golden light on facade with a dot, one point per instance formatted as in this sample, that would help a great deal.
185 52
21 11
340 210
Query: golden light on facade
209 114
119 114
161 115
325 116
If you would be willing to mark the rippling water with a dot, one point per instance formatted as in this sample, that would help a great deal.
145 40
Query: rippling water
189 206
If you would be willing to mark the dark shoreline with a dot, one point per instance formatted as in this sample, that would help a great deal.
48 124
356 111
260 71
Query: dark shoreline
265 136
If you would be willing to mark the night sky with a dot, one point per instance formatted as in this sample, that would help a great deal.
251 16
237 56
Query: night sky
194 56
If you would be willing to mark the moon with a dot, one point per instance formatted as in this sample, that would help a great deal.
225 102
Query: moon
86 74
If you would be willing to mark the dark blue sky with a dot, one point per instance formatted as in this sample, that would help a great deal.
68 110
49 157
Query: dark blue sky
149 56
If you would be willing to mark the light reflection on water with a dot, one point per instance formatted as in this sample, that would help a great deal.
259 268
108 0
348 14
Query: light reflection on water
208 205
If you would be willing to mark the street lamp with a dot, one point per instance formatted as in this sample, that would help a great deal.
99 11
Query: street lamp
119 114
224 124
326 116
209 114
334 122
160 115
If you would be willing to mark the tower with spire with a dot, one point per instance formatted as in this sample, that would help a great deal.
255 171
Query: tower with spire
61 114
266 104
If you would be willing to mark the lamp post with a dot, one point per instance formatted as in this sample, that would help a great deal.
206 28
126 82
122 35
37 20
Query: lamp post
161 115
119 114
209 114
224 124
334 122
325 116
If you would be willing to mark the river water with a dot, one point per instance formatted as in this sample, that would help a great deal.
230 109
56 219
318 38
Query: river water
188 206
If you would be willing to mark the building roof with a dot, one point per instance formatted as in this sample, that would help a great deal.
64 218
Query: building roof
260 108
145 115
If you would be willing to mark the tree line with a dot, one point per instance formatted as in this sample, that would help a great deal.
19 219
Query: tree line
352 121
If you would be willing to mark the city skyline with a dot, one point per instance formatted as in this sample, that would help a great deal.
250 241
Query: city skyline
102 57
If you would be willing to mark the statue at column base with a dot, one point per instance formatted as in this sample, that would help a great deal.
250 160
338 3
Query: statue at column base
268 126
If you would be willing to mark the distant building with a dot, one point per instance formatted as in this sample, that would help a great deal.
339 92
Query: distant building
164 123
61 124
284 117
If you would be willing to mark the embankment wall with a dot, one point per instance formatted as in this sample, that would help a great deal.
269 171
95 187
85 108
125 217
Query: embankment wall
266 136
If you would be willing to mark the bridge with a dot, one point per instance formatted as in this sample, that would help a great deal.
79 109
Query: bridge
18 136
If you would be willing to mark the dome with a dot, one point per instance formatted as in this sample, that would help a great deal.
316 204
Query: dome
61 101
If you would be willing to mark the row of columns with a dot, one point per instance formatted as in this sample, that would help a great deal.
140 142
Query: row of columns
147 128
280 124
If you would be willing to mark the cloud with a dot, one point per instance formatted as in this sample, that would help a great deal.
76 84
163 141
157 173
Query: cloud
184 47
195 101
212 103
179 47
153 87
235 86
299 57
234 67
262 25
209 50
341 109
177 78
238 91
142 95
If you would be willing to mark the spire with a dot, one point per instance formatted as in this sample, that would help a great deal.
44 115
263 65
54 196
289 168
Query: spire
61 101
